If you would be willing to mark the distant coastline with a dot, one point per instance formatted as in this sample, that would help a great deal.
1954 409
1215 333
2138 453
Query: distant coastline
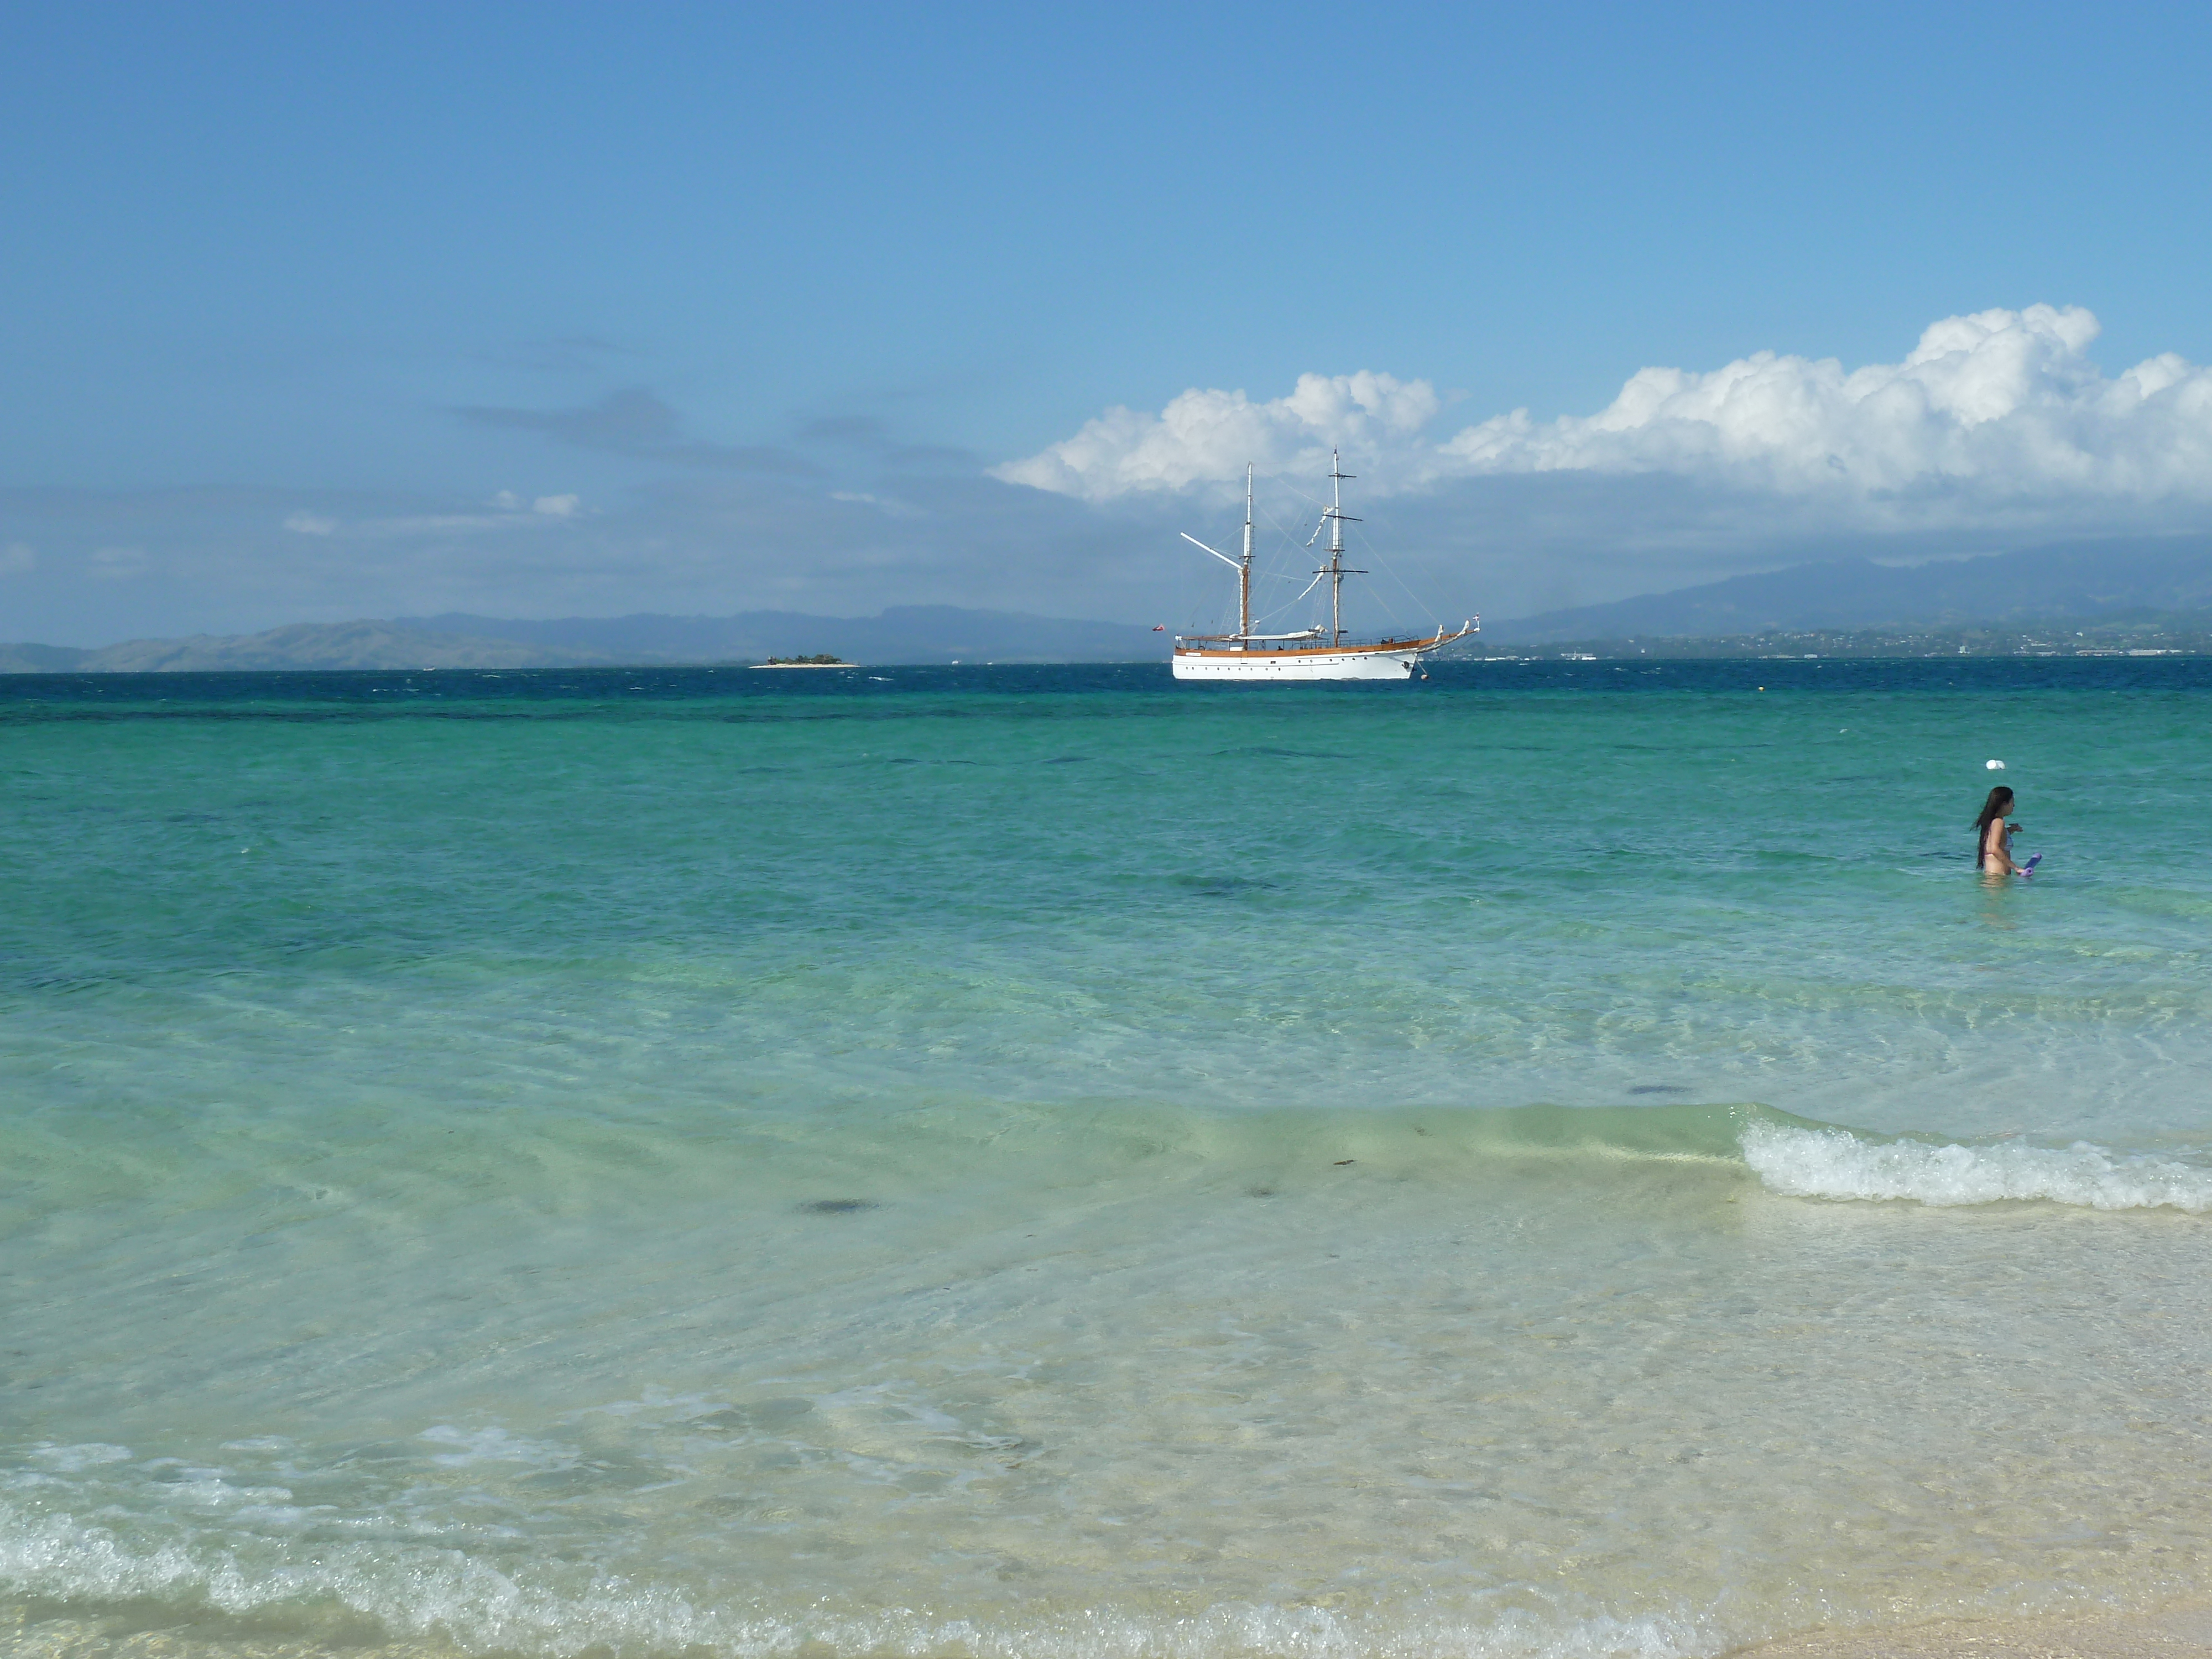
388 647
2149 597
901 634
2141 596
2069 637
395 647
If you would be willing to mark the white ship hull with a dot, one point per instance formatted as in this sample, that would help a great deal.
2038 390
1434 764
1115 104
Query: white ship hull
1324 665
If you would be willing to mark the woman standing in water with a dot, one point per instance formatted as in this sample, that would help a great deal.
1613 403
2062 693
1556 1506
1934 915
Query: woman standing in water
1994 848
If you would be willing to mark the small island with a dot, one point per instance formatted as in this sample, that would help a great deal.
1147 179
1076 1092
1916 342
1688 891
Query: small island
825 661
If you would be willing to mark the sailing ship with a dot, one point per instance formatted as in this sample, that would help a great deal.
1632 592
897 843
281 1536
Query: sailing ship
1314 653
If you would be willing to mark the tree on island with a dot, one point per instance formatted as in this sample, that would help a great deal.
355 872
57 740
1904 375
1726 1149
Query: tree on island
825 661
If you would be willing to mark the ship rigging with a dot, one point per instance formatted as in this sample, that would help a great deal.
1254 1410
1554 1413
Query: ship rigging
1313 652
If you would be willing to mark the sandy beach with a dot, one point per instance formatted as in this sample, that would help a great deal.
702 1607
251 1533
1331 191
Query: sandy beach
2178 1634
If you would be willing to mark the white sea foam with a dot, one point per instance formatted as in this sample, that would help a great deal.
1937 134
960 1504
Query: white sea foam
411 1591
72 1459
419 1592
494 1445
1836 1164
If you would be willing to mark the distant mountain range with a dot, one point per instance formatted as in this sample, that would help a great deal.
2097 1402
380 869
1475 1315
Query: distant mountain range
903 634
304 645
2079 580
2082 580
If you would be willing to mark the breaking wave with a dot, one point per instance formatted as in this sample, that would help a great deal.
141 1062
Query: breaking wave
1832 1163
446 1596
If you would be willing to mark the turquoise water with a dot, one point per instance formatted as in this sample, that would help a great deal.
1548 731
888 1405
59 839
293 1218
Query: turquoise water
1553 1159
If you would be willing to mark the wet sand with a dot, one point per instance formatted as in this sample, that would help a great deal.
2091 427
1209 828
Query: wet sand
2171 1635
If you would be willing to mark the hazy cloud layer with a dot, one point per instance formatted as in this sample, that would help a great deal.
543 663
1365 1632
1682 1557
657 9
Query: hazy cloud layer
505 511
635 422
1987 413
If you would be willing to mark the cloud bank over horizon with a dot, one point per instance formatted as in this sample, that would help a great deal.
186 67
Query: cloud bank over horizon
1989 415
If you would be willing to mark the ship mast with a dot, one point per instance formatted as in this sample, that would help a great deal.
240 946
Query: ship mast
1244 570
1334 570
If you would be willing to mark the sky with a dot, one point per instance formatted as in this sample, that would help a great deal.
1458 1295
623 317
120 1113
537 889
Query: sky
315 313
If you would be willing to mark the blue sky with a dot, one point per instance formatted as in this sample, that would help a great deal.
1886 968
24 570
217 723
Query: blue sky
573 309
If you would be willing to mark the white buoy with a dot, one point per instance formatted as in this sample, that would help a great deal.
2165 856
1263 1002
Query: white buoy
1993 766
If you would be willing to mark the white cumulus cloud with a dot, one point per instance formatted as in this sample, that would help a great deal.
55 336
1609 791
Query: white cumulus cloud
312 523
1205 437
1998 407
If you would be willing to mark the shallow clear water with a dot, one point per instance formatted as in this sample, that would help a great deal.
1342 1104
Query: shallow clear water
1552 1159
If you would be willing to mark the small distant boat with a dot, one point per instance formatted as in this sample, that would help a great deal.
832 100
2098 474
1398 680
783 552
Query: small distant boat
825 660
1314 653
